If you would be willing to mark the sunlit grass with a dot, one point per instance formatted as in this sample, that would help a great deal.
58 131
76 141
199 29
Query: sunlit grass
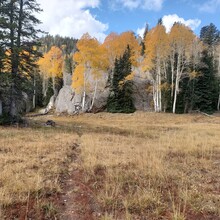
157 166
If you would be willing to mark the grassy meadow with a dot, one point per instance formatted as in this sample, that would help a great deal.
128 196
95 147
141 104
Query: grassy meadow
138 166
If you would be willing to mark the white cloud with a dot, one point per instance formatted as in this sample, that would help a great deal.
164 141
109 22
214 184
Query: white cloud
169 20
154 5
131 4
209 6
140 32
71 18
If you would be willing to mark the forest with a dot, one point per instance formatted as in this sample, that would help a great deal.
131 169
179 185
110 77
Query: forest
65 155
174 71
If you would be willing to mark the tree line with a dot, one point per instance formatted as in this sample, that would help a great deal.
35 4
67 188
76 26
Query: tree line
183 70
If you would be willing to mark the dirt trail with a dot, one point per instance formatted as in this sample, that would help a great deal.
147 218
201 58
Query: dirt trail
77 201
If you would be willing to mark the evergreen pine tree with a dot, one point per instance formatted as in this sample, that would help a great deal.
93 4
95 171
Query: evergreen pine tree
120 98
19 39
210 35
204 86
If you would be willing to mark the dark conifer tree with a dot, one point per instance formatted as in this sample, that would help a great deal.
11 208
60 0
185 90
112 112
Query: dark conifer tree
19 38
204 91
120 98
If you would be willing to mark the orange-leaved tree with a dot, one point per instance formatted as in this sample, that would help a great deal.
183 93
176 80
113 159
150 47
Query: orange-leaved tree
156 54
181 40
50 66
116 45
91 61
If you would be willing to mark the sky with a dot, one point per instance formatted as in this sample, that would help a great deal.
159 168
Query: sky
73 18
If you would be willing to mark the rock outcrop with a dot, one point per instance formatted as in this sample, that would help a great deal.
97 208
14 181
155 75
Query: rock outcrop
67 100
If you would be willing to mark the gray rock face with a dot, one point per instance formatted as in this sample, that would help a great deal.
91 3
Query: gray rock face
67 100
141 97
101 99
67 79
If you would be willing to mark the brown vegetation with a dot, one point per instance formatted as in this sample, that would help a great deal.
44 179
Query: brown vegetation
136 166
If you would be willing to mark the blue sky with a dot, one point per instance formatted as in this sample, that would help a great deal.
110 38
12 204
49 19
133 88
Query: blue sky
100 17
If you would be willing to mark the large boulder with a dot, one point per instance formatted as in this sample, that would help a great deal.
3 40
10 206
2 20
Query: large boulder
67 100
141 94
142 98
67 79
100 100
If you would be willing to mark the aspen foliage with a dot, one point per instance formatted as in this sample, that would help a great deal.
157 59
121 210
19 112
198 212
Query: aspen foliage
181 40
51 63
91 59
156 54
116 45
157 47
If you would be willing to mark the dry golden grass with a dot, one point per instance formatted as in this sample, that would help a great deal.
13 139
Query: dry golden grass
153 166
31 161
140 166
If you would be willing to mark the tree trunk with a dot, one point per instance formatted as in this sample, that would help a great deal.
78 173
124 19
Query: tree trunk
55 92
83 101
159 90
0 107
12 110
154 96
34 95
157 94
218 107
172 77
175 96
176 84
94 95
84 93
44 86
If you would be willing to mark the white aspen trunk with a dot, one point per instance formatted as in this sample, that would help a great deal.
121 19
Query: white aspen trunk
34 95
54 86
175 95
157 94
94 95
159 91
172 77
83 101
176 84
218 107
84 93
45 86
154 96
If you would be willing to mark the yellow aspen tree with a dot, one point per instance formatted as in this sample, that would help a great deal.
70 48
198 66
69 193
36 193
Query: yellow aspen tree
44 66
56 61
181 39
156 54
90 61
50 66
117 44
